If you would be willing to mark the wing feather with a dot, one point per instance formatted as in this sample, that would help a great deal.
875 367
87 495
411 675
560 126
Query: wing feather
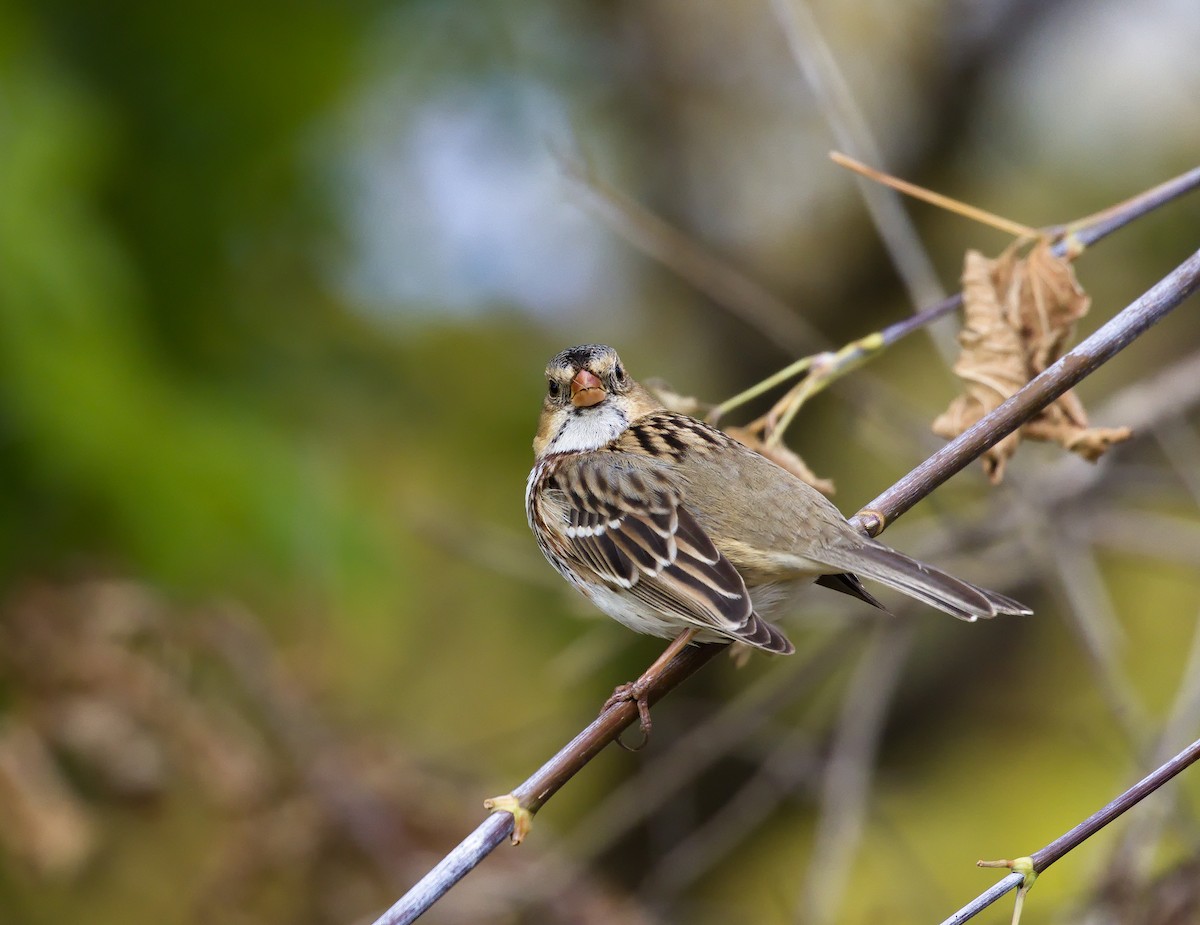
629 526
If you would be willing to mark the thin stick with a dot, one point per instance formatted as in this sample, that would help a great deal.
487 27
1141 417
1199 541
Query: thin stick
1069 242
538 788
985 899
1090 826
974 213
697 749
1126 801
1092 228
956 455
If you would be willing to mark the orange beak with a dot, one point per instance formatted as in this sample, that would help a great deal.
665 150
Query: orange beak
586 390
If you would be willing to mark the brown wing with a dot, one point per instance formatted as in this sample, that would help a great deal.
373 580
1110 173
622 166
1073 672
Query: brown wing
630 527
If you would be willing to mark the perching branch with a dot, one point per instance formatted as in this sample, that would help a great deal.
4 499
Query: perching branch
1068 371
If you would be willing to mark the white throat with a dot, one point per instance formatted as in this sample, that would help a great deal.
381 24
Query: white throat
589 429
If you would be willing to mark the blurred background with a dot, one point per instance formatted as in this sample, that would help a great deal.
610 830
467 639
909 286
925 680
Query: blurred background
277 285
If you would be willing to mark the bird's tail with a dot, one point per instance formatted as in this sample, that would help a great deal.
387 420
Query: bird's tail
924 582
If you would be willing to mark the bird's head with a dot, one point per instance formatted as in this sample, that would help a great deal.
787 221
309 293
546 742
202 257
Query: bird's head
590 400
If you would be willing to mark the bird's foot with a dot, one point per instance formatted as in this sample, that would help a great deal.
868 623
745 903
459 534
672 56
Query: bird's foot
639 691
636 692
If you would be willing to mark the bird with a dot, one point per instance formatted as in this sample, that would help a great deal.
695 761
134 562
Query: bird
675 529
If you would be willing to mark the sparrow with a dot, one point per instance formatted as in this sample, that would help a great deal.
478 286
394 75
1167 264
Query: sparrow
675 529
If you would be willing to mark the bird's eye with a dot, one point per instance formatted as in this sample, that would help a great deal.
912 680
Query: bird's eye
553 388
619 373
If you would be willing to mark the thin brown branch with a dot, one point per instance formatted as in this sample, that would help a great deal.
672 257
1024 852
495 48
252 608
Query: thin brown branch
974 213
1069 241
1046 856
1132 855
1043 858
700 748
820 370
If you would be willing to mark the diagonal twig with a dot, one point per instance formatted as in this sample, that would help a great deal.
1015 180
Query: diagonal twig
1043 858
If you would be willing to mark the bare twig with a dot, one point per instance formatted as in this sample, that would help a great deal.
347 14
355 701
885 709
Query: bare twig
542 785
974 213
1131 856
1043 858
985 899
956 455
1046 856
1087 231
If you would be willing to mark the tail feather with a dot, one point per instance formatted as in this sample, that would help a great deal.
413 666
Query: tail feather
924 582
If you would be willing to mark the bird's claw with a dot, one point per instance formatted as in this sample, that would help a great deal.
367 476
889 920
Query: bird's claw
632 691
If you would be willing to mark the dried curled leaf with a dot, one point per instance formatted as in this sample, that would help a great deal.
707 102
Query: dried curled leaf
1019 314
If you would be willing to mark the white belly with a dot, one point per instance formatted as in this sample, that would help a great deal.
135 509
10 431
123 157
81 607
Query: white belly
629 611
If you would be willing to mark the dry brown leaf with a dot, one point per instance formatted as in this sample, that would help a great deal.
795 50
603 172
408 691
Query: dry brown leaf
1065 423
1019 314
